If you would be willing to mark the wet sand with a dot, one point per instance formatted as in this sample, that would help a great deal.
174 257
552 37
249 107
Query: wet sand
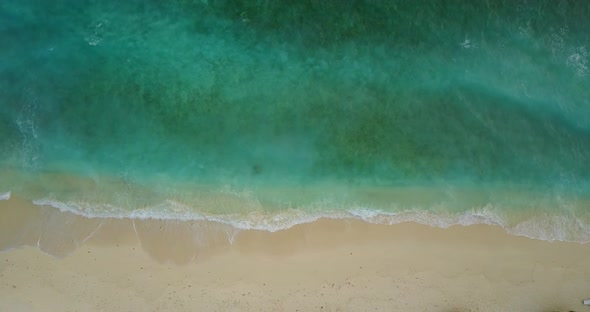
54 261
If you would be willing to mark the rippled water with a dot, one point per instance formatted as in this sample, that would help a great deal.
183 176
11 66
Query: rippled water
265 114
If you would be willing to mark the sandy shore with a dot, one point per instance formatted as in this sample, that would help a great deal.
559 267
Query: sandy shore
57 261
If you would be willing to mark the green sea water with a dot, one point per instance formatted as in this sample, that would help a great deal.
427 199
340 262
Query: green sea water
268 113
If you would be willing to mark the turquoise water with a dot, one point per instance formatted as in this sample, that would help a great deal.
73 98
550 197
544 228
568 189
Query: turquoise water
269 113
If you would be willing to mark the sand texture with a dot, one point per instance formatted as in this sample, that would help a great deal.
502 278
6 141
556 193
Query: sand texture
54 261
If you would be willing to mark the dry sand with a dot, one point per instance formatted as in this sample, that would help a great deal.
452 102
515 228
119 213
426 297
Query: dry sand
56 261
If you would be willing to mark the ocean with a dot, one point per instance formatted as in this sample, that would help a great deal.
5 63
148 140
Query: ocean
265 114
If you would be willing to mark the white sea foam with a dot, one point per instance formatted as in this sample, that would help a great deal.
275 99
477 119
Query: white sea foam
578 61
543 227
5 196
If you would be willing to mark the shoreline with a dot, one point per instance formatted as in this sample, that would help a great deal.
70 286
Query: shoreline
567 224
325 265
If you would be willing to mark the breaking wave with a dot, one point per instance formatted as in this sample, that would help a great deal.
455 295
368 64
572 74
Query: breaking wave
543 227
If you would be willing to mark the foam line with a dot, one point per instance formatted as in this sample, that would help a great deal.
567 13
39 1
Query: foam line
545 227
5 196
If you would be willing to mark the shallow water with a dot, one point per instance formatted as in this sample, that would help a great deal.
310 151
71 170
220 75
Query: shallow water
265 114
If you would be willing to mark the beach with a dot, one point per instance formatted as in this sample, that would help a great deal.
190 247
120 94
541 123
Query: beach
326 265
255 155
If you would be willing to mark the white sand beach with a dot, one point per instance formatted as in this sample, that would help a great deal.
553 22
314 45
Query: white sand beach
56 261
